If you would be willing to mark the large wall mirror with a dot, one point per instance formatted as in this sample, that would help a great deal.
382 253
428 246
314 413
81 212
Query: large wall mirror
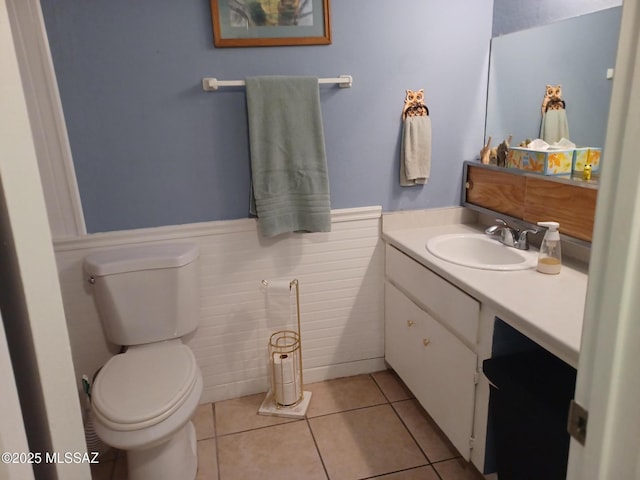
575 53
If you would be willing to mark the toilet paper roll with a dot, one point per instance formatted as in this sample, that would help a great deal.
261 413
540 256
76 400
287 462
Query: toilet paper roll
287 393
279 302
279 286
284 368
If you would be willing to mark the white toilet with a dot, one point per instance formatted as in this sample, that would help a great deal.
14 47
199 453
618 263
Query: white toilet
143 399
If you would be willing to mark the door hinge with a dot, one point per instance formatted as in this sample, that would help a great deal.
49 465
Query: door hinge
577 424
476 378
472 441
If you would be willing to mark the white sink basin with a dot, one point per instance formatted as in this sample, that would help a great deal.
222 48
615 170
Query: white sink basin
477 250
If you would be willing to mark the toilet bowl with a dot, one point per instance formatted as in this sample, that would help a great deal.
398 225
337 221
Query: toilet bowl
142 400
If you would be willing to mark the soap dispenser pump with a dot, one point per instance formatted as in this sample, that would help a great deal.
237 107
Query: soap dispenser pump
549 259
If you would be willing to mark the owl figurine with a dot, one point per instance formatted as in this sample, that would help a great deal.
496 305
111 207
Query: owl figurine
553 99
414 105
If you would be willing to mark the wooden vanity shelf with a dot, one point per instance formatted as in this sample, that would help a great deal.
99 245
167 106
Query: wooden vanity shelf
532 198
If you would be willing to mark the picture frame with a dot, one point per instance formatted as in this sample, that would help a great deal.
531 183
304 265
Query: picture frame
268 23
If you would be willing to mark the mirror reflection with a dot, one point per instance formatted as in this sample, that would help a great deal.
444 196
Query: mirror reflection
577 54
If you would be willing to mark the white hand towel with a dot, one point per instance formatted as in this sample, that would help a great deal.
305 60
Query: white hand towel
415 151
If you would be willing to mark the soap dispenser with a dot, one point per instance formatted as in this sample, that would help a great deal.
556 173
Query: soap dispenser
549 258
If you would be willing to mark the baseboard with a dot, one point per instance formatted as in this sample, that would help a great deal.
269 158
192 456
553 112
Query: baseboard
243 388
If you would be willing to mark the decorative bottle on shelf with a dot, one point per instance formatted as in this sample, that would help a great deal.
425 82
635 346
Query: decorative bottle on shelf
550 257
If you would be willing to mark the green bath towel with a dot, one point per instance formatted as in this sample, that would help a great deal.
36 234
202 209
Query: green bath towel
290 182
554 126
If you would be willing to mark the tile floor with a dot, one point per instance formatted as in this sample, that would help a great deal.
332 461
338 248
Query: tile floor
361 427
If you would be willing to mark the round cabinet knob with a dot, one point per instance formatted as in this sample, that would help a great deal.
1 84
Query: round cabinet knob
410 323
91 280
426 342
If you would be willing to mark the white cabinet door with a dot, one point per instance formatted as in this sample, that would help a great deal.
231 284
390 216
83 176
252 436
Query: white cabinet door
437 367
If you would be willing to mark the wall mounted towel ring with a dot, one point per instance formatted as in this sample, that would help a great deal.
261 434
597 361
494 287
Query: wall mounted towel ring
553 99
414 105
415 146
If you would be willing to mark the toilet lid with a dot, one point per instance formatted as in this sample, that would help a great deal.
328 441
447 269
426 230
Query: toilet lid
143 386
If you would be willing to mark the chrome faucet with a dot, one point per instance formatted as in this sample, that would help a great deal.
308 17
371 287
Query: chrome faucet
510 236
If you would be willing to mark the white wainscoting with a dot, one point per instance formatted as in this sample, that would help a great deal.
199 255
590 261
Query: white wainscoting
341 298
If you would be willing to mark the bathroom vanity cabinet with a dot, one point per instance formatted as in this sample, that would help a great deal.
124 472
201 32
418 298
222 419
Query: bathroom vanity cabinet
440 325
431 330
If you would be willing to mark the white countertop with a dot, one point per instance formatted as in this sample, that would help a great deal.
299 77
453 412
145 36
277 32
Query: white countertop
546 308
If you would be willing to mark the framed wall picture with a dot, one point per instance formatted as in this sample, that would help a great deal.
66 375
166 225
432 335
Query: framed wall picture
265 23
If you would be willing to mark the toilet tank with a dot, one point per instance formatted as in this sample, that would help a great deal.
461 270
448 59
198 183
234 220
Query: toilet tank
145 294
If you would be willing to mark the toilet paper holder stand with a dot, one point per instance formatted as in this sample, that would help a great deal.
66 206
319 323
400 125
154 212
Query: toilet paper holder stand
285 359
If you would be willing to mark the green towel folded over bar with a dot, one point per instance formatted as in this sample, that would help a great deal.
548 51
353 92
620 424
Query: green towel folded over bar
290 182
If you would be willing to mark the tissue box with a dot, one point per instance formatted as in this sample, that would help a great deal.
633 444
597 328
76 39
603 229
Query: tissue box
549 162
584 155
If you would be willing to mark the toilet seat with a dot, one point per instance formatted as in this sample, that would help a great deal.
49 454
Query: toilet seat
143 386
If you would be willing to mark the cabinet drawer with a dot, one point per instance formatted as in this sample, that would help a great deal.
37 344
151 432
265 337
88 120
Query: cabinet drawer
436 366
454 308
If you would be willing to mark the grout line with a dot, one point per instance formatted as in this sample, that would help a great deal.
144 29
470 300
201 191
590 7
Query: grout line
388 402
429 462
288 420
459 458
215 436
349 410
306 419
399 381
437 472
400 471
379 387
434 425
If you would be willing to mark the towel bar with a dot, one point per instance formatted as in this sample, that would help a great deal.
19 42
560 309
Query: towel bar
212 84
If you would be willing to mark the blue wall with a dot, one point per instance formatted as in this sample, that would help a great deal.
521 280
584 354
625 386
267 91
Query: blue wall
151 148
514 15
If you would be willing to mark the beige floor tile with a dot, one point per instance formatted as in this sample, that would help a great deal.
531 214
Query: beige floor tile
391 386
343 394
281 451
240 414
365 442
421 473
432 441
207 460
457 469
203 421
